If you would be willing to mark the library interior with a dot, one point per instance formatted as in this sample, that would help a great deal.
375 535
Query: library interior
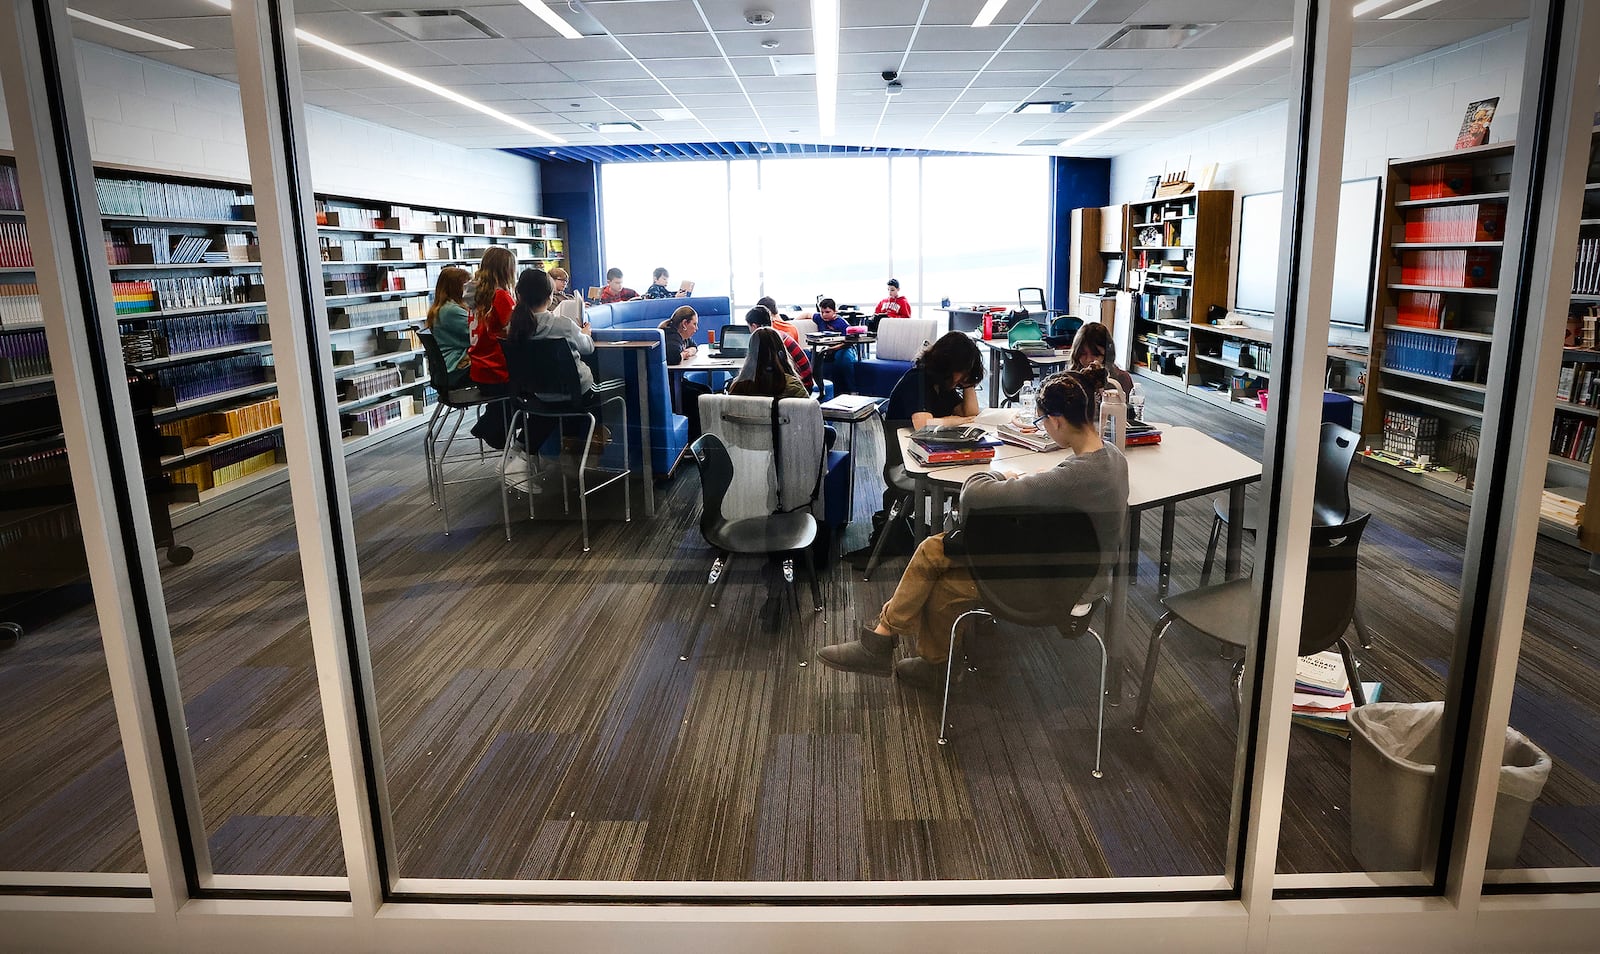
1072 477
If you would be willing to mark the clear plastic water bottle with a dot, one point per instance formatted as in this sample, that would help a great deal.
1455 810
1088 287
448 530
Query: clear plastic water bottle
1028 401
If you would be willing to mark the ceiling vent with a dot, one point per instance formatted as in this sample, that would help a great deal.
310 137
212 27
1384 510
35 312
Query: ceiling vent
1046 106
435 24
1156 36
1048 143
801 65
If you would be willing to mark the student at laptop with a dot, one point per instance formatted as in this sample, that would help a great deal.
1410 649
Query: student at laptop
767 370
658 287
760 317
935 590
614 292
678 332
838 364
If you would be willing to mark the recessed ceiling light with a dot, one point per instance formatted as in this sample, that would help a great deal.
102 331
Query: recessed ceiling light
312 39
1040 142
127 30
656 151
611 127
1045 106
1155 36
542 10
429 25
988 13
676 114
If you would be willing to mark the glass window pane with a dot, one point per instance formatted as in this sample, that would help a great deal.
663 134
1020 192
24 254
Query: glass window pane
825 229
985 227
692 247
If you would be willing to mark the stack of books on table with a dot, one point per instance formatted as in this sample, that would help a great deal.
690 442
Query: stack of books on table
1026 435
1140 434
1322 696
948 445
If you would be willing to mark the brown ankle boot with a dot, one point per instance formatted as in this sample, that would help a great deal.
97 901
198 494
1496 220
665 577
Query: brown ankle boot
919 672
871 653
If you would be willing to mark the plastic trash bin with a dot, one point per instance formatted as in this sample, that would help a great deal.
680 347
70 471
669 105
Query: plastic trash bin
1394 750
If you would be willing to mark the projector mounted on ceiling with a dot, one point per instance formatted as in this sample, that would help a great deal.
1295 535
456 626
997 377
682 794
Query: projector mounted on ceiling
435 24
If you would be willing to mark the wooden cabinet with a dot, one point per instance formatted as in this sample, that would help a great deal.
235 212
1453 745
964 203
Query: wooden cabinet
1097 236
1179 249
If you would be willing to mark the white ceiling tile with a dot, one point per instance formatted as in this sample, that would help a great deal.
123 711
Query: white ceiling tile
921 62
402 53
698 67
958 38
346 28
647 16
727 16
671 45
874 40
1248 35
605 70
1083 36
560 50
492 53
623 87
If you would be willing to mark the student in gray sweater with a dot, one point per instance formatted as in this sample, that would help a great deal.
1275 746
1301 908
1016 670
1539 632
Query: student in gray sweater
935 589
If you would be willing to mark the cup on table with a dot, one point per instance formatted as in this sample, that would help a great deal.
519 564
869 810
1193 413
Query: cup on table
711 337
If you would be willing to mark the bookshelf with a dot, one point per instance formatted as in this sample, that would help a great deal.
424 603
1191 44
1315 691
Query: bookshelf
1097 239
1178 250
192 316
1440 264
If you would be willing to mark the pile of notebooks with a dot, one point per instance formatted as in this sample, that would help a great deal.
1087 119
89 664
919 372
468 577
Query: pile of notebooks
1322 696
1140 434
950 445
1026 435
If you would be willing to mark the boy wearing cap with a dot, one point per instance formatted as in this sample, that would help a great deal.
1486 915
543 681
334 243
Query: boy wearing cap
894 304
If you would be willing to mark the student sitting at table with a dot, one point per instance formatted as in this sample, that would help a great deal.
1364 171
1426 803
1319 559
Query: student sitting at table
678 333
613 291
491 313
767 370
760 317
942 385
447 319
658 286
894 304
838 363
779 324
558 286
1092 347
532 320
935 590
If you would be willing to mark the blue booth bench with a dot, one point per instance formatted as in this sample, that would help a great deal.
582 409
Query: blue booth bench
639 321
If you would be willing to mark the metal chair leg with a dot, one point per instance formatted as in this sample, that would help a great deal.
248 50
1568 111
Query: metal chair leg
1356 691
583 493
1211 551
895 510
627 489
719 568
949 666
1100 720
444 499
1362 632
505 464
1152 656
816 587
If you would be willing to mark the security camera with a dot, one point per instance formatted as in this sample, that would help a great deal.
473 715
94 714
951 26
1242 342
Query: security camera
889 76
893 88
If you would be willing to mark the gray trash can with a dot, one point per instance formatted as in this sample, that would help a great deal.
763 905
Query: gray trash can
1394 750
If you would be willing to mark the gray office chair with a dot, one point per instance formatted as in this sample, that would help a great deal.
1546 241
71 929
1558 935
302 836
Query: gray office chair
1031 568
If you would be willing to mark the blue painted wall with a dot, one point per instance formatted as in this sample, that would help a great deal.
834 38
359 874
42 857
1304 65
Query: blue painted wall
1074 184
571 191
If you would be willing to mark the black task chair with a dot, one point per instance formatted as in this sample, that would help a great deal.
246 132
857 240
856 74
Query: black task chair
782 533
1330 506
1031 569
1223 612
902 489
1015 372
449 412
544 378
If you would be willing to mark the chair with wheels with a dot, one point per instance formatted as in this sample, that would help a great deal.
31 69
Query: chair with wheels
1330 506
545 382
1223 612
1032 569
1015 372
448 415
761 462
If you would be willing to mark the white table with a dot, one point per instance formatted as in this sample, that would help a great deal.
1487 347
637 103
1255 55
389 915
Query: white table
1186 464
702 361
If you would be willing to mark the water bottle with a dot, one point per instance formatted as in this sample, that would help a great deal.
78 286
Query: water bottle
1113 418
1136 403
1028 401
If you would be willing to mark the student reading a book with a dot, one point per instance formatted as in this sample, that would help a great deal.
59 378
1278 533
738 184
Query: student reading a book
447 319
761 317
894 304
558 286
935 590
533 320
838 363
1092 347
678 333
767 370
492 305
658 287
613 292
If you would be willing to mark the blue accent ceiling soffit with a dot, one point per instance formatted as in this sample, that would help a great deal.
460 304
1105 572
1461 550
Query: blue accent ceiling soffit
658 152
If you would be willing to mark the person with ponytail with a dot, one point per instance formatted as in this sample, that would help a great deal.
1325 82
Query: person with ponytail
935 589
491 314
447 319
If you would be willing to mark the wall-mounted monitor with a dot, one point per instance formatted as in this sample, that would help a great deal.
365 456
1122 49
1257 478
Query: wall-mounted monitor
1256 279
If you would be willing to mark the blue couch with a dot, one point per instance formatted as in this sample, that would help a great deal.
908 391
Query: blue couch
639 321
899 340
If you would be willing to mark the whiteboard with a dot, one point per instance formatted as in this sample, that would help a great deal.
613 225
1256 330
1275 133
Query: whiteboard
1256 280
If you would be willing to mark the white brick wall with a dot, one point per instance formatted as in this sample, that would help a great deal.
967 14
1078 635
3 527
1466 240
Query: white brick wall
146 113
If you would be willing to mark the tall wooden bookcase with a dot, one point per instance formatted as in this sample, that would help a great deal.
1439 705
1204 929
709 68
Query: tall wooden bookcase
1440 265
1178 250
1098 237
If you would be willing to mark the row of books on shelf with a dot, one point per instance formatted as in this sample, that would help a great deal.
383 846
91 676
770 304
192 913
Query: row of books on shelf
378 416
1562 506
177 200
369 383
34 467
1450 268
41 530
1322 693
1579 384
200 291
203 430
187 382
358 281
231 463
1440 180
1433 356
1424 310
15 252
1572 438
19 305
147 340
10 189
149 245
1586 270
1473 222
362 314
24 355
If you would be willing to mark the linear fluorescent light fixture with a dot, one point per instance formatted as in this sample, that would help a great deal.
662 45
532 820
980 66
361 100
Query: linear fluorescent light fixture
542 10
988 13
614 127
311 39
1201 83
825 49
1045 106
128 30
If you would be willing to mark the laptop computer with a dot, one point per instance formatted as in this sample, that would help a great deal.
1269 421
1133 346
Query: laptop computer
734 342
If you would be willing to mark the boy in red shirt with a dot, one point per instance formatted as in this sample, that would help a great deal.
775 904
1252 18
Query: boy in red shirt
894 305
